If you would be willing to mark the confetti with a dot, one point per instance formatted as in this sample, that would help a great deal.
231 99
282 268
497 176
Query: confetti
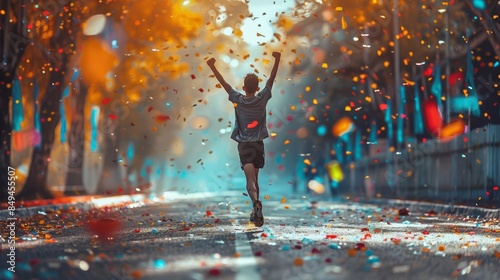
298 262
106 100
214 272
162 118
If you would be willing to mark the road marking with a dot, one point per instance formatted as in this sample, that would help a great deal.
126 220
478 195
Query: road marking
246 263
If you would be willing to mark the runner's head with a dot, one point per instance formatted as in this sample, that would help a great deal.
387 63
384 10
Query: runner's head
251 83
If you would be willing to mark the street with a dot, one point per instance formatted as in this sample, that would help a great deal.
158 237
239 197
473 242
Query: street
201 236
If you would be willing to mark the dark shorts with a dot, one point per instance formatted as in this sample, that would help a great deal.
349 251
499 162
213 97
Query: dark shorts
251 152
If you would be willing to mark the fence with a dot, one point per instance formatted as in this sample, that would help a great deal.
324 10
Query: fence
465 169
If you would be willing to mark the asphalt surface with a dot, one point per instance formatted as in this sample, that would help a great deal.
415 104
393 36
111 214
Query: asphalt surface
200 236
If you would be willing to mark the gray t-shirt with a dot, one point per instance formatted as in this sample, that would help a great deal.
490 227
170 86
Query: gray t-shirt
250 113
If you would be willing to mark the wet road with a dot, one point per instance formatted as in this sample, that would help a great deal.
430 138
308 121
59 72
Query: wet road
203 237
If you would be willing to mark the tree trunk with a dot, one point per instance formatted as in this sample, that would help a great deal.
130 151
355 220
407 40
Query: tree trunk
5 131
76 141
36 183
12 46
111 178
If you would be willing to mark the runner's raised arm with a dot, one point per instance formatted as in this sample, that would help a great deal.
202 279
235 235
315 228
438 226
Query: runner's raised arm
225 85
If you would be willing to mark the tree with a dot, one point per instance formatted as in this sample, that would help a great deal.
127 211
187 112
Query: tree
58 37
76 141
13 42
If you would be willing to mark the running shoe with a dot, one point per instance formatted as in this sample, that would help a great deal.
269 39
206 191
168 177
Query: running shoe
257 213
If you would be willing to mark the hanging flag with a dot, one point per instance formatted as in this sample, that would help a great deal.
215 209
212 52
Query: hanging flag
63 115
94 121
418 121
373 133
17 105
339 151
38 124
388 121
358 152
64 123
401 116
470 102
130 152
75 75
433 116
436 87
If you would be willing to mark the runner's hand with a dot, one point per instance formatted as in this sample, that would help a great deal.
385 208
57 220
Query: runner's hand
211 61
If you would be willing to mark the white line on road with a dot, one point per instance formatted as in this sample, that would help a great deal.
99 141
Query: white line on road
246 263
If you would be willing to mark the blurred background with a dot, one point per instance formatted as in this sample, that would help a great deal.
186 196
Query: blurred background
374 98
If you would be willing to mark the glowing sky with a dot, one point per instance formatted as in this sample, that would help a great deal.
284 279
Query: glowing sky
264 13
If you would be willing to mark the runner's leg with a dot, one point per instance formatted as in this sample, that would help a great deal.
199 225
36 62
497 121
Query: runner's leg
257 182
252 187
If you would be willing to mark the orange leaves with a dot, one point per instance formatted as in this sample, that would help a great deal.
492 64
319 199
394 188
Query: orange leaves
285 22
162 21
96 61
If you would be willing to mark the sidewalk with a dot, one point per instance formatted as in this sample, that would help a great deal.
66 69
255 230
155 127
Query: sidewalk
86 202
425 206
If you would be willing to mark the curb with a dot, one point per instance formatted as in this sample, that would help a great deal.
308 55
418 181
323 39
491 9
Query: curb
92 202
83 204
420 206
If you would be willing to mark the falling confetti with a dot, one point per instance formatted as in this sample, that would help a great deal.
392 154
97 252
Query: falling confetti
162 118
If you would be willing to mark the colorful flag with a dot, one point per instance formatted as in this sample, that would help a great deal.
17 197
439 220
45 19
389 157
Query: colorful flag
388 121
358 152
130 152
401 115
469 102
38 124
436 87
62 110
94 121
373 133
63 121
418 121
17 106
339 151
